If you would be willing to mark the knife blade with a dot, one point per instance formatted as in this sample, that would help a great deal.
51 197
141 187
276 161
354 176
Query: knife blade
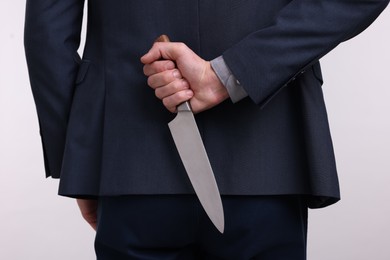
194 157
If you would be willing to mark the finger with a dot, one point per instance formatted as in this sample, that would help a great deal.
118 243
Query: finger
93 224
164 50
171 102
88 209
158 66
91 220
163 78
154 54
171 88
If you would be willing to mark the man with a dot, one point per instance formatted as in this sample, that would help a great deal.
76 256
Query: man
105 135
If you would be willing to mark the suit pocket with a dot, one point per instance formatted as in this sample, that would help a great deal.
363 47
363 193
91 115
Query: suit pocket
82 72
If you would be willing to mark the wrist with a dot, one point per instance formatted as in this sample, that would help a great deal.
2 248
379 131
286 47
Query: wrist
218 90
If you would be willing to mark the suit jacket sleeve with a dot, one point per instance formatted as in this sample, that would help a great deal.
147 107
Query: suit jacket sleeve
305 30
52 36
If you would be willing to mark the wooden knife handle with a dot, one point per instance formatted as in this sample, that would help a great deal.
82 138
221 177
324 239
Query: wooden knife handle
162 38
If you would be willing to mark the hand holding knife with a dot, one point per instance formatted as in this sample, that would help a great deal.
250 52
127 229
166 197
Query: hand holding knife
189 144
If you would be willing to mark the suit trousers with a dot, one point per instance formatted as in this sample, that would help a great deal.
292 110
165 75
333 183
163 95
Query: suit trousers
176 227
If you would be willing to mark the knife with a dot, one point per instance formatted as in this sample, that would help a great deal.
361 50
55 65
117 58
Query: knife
193 155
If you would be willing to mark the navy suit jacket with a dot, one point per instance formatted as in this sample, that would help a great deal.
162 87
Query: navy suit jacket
105 133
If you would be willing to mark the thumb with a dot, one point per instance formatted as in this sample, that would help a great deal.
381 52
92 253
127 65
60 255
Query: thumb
162 50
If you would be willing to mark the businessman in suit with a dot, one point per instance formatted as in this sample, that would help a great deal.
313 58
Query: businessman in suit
251 73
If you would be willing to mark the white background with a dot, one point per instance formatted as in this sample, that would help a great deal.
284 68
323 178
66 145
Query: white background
35 223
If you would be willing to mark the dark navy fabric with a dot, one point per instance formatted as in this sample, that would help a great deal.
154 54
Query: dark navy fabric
105 133
176 227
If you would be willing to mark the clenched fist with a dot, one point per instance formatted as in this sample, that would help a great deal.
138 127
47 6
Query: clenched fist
177 75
